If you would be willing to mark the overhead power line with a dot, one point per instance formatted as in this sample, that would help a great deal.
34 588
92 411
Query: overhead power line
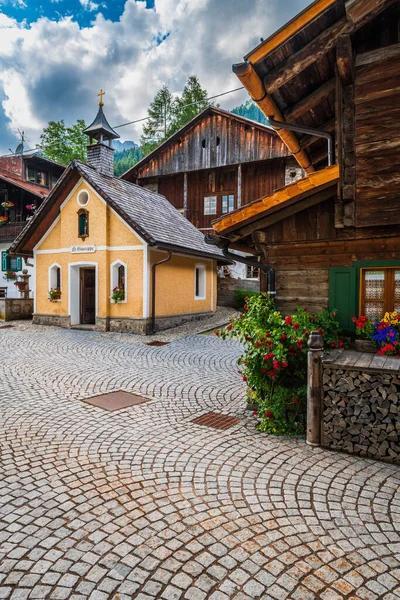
185 106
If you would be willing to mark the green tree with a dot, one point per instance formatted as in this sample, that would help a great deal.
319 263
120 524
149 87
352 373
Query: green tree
63 144
159 125
192 101
125 159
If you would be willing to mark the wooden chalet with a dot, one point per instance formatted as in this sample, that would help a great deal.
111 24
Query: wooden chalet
216 163
25 181
333 238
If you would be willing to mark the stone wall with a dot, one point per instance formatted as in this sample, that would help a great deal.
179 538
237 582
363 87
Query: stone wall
16 308
228 285
361 412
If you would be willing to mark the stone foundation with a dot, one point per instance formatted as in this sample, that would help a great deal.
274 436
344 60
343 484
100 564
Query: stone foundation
362 412
124 324
16 308
55 320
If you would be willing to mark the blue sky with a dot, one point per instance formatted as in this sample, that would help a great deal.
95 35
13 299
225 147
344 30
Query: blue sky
55 55
82 12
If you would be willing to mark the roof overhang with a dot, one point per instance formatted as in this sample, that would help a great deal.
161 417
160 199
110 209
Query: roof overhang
266 211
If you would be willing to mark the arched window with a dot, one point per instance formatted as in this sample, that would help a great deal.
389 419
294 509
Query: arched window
83 223
119 279
55 280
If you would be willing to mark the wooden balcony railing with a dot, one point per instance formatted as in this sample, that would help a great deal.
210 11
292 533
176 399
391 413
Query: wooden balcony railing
9 232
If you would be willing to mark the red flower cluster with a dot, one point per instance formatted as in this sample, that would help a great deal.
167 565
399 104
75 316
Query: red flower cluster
288 320
360 322
388 348
269 414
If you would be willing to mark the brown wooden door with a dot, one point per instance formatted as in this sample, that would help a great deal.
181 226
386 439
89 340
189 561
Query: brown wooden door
88 295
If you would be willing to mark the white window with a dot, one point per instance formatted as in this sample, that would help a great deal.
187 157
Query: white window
252 272
55 280
200 282
210 205
119 280
83 198
228 203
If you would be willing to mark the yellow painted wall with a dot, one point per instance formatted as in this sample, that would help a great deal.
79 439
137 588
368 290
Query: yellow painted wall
175 279
175 285
105 229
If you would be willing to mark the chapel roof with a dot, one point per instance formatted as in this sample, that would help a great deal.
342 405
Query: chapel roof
150 214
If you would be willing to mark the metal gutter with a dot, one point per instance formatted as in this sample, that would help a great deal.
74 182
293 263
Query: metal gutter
307 131
223 243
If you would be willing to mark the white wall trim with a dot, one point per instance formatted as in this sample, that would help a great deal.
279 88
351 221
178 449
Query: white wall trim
49 275
123 264
35 273
146 282
72 310
212 287
50 229
98 248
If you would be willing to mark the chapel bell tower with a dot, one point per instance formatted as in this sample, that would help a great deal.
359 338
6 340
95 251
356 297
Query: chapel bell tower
100 153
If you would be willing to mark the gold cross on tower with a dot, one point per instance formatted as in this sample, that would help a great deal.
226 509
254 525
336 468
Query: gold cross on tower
101 94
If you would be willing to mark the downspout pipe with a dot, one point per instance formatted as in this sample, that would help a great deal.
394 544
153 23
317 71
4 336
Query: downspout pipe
306 131
153 289
223 244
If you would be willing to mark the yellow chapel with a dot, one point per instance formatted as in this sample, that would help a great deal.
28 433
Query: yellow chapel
113 256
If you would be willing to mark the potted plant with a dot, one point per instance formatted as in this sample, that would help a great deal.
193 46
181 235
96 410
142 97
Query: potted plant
7 204
364 331
54 294
118 294
3 220
20 285
10 275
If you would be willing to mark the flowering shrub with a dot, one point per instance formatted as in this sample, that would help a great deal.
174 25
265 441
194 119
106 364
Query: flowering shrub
118 294
10 274
54 293
274 362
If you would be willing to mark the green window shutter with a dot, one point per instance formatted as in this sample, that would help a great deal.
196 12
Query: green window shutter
4 261
19 263
343 295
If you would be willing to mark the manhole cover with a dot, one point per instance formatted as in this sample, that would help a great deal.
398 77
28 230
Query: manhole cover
116 400
157 343
216 421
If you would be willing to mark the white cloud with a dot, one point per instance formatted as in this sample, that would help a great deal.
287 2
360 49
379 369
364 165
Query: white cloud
52 70
89 5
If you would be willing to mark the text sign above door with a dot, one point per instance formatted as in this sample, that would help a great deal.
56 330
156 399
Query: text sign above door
82 249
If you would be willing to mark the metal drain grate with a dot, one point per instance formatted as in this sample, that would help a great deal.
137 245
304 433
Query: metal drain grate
116 400
216 421
157 343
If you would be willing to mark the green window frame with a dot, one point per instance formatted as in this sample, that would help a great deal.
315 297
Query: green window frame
10 263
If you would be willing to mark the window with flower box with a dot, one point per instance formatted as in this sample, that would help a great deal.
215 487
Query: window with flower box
380 292
10 263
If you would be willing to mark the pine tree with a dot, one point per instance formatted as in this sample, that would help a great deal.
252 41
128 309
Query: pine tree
63 144
192 101
159 125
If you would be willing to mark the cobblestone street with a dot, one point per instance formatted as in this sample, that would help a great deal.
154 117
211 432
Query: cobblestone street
142 503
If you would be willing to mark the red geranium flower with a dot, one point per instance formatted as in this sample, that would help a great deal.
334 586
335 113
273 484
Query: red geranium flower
258 344
332 345
288 320
269 414
304 309
296 325
244 378
299 343
217 333
245 307
283 337
229 327
295 400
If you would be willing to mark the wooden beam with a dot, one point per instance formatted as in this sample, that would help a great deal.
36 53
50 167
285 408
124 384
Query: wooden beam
305 57
361 12
287 211
379 55
290 29
345 60
253 84
305 104
239 186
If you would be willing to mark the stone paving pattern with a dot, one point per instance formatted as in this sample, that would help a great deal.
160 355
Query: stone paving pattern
142 503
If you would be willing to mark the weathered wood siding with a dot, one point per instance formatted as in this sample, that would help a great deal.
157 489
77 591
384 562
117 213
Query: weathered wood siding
215 141
261 178
377 99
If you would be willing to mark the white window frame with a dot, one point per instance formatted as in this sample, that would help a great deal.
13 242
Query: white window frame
53 278
114 279
202 282
208 205
79 196
253 277
228 196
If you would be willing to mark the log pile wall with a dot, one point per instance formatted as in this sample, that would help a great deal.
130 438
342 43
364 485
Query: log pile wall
361 411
